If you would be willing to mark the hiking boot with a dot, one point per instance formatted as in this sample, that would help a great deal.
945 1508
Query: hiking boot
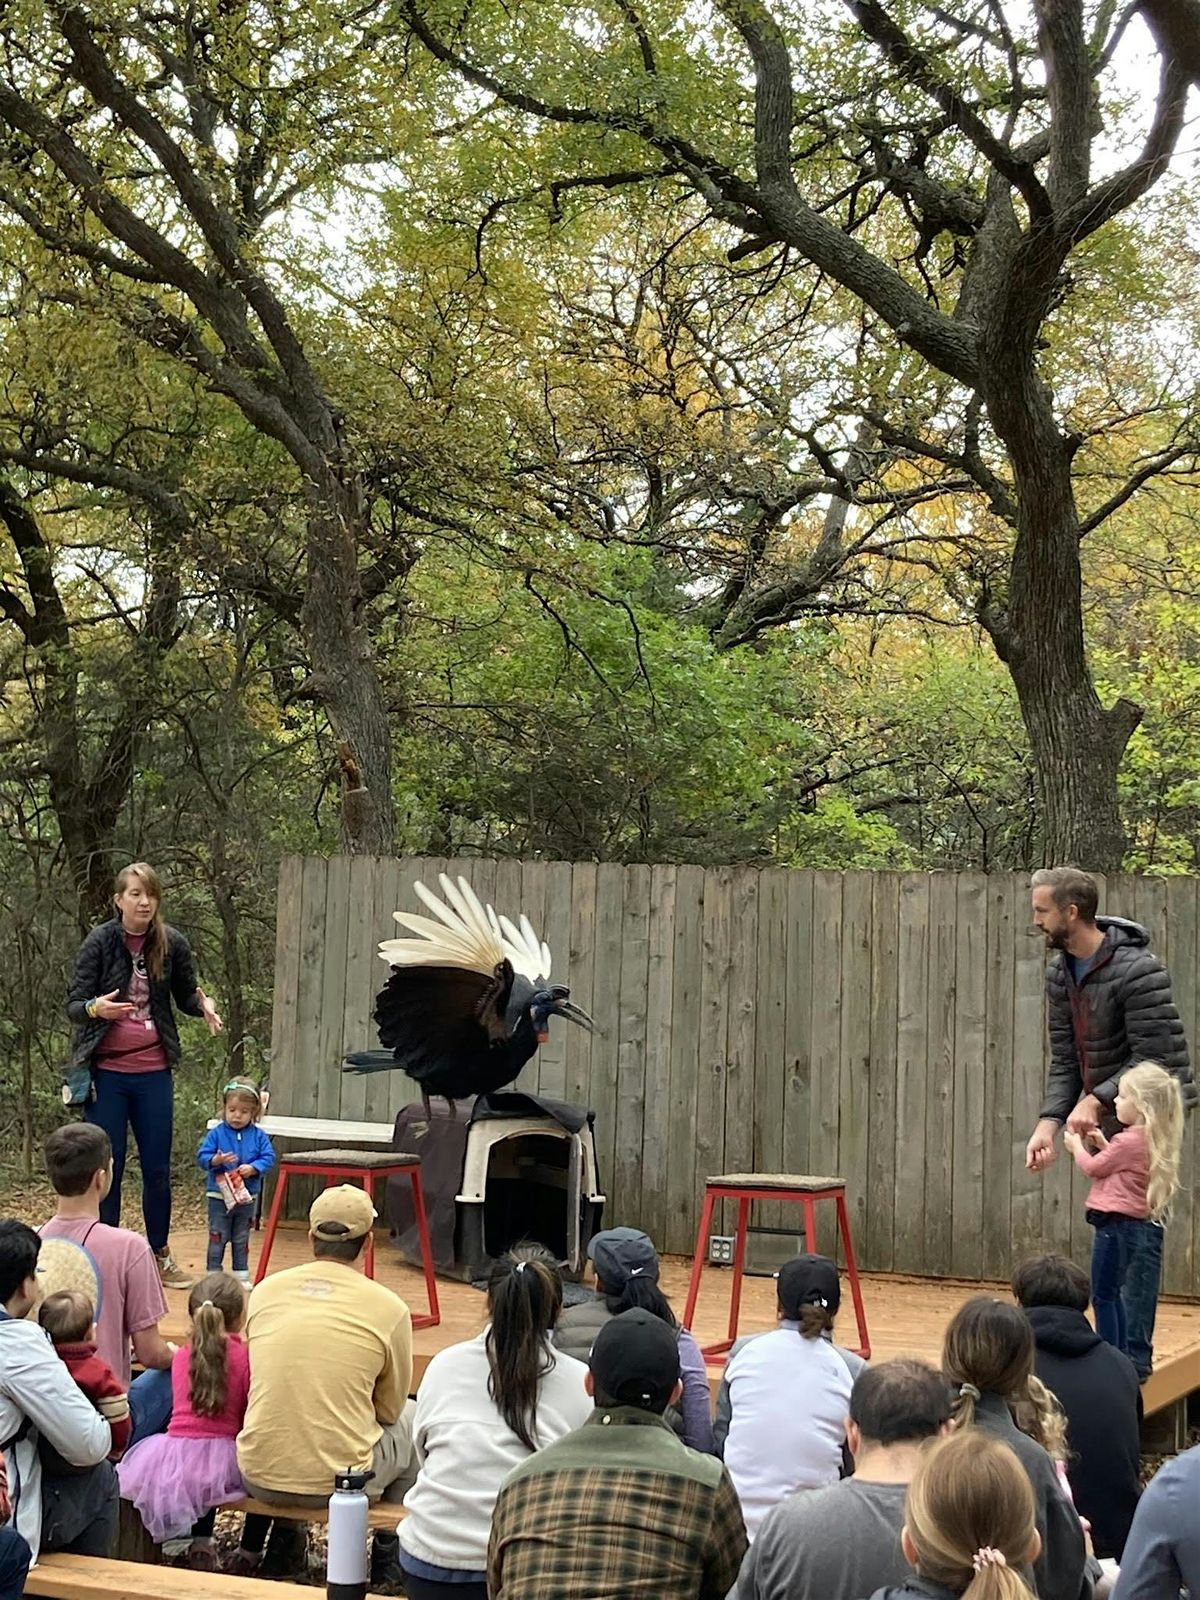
199 1557
172 1274
287 1546
386 1575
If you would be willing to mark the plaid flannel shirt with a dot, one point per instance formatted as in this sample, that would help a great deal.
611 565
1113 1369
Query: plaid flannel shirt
617 1509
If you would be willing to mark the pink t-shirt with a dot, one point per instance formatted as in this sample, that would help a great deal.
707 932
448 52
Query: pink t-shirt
132 1044
1121 1174
184 1423
131 1291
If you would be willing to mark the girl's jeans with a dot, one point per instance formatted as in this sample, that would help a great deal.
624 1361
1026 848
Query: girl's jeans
145 1101
228 1228
1126 1270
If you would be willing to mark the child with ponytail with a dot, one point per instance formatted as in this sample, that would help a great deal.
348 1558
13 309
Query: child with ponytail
482 1408
177 1478
969 1527
987 1358
1135 1176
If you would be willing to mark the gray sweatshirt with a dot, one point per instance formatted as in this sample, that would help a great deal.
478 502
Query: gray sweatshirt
839 1543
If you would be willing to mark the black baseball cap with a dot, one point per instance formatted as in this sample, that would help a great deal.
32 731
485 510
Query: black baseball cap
809 1281
635 1361
619 1254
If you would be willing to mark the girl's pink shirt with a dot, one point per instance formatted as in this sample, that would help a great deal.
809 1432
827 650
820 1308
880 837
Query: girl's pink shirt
1121 1172
184 1423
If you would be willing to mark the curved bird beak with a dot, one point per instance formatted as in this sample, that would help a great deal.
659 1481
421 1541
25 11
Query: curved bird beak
568 1008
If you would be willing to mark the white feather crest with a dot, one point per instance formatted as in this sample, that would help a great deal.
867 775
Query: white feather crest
466 934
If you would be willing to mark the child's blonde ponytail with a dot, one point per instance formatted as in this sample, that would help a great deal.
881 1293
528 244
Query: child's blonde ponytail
1155 1093
970 1517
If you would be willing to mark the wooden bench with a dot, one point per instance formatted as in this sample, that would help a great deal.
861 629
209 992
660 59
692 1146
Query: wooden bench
91 1578
324 1130
383 1515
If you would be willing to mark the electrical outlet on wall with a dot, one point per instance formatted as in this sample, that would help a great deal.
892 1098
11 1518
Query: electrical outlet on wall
720 1249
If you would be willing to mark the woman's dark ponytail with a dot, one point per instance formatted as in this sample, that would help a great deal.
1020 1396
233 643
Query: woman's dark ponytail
641 1294
525 1298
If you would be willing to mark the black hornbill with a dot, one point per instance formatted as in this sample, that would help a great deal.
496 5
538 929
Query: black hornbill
469 999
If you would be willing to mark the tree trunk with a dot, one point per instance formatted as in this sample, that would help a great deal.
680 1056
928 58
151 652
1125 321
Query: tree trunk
1077 745
344 671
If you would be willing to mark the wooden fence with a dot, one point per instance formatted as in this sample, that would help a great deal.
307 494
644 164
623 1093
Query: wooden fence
888 1027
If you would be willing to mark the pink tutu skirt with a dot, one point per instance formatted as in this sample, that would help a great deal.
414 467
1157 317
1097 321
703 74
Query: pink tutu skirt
173 1482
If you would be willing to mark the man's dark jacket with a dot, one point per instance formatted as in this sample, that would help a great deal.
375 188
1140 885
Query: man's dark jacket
1098 1389
1119 1014
104 964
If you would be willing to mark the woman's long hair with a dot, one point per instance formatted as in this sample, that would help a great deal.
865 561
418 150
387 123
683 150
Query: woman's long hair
216 1306
155 948
970 1516
1040 1415
639 1294
988 1349
524 1298
1156 1095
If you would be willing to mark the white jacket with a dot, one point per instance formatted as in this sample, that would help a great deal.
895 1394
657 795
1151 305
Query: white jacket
466 1450
35 1384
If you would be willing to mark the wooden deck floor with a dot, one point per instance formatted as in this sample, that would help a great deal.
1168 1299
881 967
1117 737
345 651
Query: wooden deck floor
905 1316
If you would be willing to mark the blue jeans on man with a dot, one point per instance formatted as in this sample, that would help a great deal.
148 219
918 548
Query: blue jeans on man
232 1228
1126 1272
14 1563
151 1402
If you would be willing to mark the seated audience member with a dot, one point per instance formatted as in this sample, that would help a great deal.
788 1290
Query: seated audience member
330 1369
620 1506
130 1296
842 1542
1097 1387
1162 1552
39 1400
14 1552
482 1407
969 1526
68 1319
988 1360
781 1411
626 1267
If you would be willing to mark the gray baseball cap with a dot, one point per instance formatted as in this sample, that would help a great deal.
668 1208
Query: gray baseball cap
619 1254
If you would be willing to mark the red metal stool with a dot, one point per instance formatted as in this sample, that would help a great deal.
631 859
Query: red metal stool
335 1166
745 1187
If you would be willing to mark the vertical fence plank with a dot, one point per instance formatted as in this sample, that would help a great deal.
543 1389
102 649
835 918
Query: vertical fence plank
716 959
555 929
631 1049
285 1060
940 1086
1004 1139
881 1142
911 1074
606 1011
770 1017
1029 1069
739 1060
687 1001
798 1025
657 1113
970 1129
581 973
826 1037
855 1048
364 973
310 1067
1179 1265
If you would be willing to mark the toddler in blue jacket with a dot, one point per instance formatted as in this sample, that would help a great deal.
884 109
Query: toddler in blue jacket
234 1156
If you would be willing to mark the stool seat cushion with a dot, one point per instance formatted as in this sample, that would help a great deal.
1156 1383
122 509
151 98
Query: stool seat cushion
805 1182
363 1160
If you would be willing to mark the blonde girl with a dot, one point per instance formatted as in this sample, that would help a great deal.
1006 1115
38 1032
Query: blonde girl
1134 1178
177 1478
969 1525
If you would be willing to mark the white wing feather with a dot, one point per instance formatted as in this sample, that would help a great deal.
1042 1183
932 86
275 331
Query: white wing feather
464 935
524 949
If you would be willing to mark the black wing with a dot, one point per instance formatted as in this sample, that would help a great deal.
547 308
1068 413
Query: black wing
444 1025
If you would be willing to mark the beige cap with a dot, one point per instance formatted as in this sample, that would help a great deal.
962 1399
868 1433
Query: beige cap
346 1204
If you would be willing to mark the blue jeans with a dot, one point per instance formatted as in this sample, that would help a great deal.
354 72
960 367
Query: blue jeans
150 1404
14 1563
231 1228
147 1101
1126 1271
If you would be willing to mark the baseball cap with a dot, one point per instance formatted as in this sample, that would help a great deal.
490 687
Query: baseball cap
635 1361
809 1281
345 1204
619 1254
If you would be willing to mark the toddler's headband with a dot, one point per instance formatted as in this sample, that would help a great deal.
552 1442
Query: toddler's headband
236 1086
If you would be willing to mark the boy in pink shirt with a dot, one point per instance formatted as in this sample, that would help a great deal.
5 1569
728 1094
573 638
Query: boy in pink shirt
129 1295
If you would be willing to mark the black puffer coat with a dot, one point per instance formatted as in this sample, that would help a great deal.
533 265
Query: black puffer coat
1121 1013
104 964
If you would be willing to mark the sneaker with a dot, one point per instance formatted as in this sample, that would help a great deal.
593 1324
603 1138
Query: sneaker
244 1279
172 1274
241 1563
